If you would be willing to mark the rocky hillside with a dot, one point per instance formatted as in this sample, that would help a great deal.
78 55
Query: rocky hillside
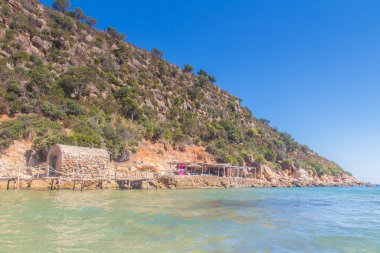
62 81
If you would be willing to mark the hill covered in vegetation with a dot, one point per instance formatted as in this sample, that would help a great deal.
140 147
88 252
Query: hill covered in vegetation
62 81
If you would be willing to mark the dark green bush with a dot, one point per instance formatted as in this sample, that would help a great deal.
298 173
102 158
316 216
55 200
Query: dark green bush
61 5
73 108
40 77
188 68
52 111
115 34
158 53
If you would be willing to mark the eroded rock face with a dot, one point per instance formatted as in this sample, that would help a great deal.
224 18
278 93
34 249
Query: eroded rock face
268 174
301 174
15 5
41 44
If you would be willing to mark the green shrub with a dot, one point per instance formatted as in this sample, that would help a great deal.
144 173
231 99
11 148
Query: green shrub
212 79
115 34
253 132
27 107
73 108
231 160
61 5
233 133
188 68
270 156
19 57
90 21
264 121
287 164
158 53
259 160
131 109
86 136
153 131
203 73
19 127
41 78
63 22
76 80
13 91
52 111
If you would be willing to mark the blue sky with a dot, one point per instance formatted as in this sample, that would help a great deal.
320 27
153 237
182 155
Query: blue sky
311 67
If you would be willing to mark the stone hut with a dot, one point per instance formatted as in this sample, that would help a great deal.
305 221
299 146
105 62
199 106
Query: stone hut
73 160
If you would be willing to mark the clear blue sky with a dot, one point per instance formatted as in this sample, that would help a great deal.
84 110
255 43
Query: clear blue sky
311 67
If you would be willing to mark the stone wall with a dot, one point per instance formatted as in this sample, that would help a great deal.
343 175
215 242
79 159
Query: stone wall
72 160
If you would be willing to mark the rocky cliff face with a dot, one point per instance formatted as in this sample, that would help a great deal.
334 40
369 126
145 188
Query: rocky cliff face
61 81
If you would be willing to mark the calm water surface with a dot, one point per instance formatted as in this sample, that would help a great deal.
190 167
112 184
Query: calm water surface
233 220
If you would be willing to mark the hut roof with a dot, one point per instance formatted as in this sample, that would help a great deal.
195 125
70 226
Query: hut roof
194 165
88 152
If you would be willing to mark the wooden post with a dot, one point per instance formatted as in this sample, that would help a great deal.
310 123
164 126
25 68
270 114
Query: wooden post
59 183
52 184
18 176
8 184
74 185
81 185
255 174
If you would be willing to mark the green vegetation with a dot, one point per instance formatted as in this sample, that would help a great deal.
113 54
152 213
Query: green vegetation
157 52
115 34
81 86
188 68
61 5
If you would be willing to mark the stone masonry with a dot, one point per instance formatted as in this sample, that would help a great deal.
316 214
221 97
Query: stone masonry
73 160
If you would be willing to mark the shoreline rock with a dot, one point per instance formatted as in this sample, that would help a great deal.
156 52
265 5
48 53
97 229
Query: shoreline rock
174 182
195 182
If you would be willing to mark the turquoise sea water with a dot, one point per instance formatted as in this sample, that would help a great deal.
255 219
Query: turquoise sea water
220 220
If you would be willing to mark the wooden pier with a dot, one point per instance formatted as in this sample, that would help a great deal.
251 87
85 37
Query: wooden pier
137 180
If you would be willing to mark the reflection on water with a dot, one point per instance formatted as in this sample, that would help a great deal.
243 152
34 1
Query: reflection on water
233 220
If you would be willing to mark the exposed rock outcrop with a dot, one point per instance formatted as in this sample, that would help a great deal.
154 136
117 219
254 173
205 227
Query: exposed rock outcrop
193 182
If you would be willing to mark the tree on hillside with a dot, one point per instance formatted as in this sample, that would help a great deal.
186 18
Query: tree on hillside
76 80
201 72
130 108
115 34
40 79
79 14
61 5
264 121
157 52
188 68
90 21
212 79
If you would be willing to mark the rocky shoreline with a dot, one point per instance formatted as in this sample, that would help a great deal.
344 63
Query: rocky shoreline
176 182
194 182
